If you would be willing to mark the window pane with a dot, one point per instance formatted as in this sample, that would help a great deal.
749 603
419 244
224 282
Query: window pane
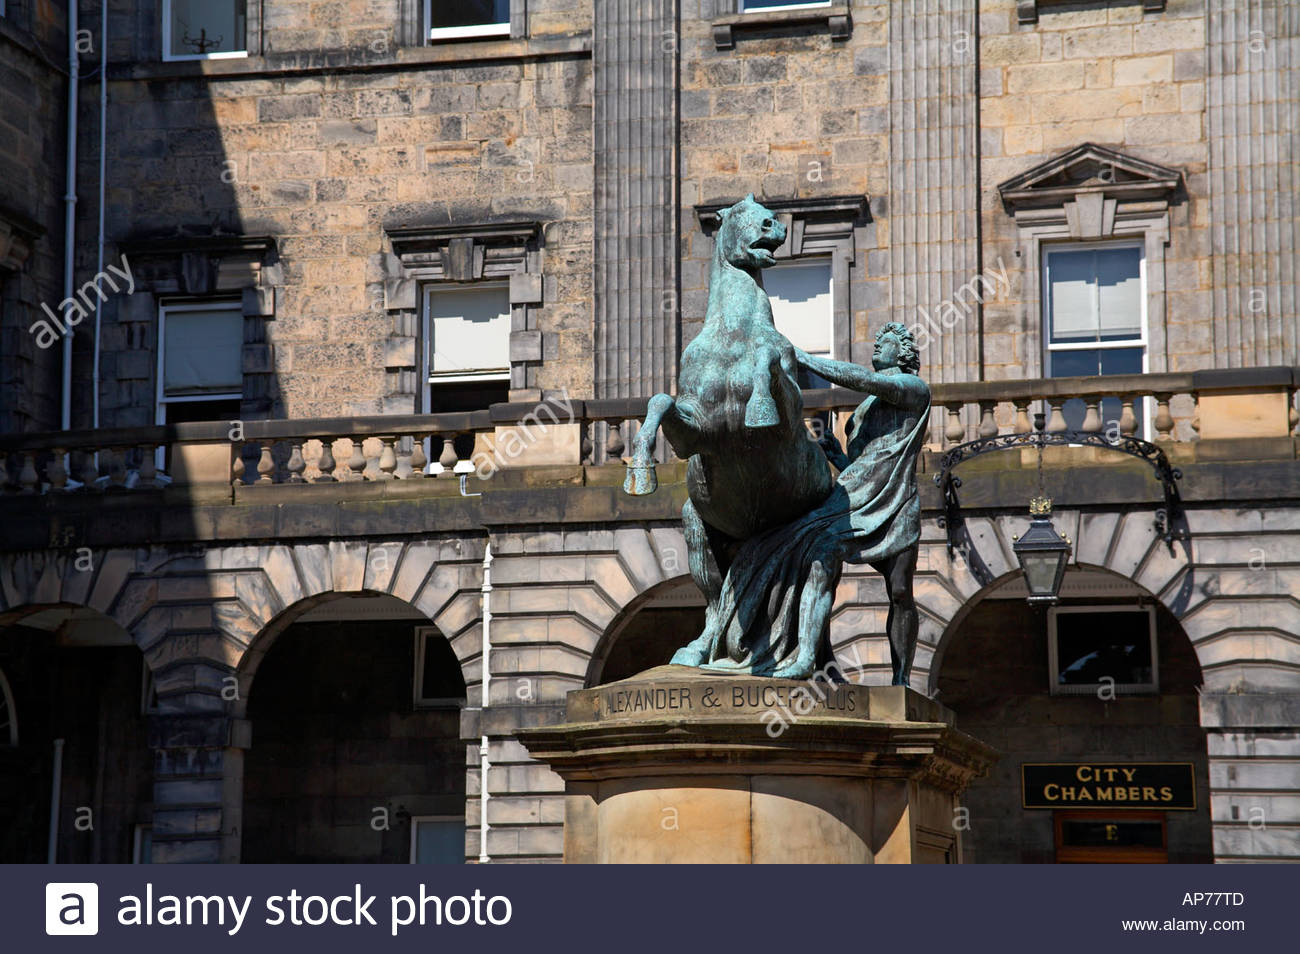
440 678
1119 292
469 330
1094 361
1071 293
1093 646
801 303
440 842
202 351
206 26
463 13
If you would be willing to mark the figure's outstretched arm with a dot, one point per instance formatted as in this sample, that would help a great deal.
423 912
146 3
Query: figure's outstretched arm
906 390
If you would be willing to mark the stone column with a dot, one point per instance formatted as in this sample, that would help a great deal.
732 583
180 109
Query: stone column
1252 115
198 787
934 178
635 45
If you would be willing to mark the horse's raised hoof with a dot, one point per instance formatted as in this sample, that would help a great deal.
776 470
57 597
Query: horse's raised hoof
761 412
640 479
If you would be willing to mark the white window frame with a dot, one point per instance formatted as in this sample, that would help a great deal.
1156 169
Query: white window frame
169 57
1045 308
1120 688
463 32
6 693
415 819
812 4
137 845
418 699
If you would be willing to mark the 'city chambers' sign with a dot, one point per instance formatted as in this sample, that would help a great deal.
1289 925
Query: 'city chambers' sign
1168 786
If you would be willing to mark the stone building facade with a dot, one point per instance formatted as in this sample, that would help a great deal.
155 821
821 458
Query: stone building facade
373 560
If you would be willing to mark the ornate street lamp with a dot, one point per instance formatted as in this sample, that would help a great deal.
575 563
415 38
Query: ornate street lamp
1042 553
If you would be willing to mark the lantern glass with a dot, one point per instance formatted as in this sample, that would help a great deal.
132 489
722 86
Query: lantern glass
1040 571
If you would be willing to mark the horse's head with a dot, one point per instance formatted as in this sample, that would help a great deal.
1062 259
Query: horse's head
748 234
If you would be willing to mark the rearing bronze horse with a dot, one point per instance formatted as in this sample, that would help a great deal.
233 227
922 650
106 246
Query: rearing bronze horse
738 416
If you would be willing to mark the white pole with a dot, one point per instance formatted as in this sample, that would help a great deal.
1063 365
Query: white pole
56 793
483 764
70 207
103 173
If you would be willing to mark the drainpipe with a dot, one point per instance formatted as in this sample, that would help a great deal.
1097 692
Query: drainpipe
70 207
56 792
103 172
487 681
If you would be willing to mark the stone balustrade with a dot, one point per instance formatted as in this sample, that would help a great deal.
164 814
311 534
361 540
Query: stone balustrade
1216 404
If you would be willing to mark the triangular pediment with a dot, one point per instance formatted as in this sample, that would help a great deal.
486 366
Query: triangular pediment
1089 168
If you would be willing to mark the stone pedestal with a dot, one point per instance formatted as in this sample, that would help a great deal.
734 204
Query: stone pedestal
676 765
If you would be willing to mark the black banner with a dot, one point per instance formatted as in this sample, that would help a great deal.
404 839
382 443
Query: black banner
521 909
1166 786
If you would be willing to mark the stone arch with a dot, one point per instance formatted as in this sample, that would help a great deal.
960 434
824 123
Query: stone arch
555 594
652 596
272 586
1234 587
95 579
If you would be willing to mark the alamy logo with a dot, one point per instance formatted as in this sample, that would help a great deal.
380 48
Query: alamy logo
71 908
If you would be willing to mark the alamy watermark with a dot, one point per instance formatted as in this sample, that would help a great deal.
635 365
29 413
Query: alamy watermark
79 307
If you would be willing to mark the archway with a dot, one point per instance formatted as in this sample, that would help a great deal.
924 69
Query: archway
648 631
356 754
1086 702
75 693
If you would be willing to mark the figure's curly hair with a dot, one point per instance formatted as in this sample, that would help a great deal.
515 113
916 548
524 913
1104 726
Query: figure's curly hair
909 359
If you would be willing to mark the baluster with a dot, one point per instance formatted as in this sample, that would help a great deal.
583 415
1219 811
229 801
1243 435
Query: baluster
357 462
27 477
614 445
418 459
387 459
89 470
1164 420
954 430
117 468
1056 421
326 463
448 456
988 424
296 464
1092 418
588 445
148 466
266 465
237 466
403 470
1022 417
1128 423
56 471
4 472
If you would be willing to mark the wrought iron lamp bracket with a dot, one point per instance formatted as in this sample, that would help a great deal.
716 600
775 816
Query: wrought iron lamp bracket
1169 520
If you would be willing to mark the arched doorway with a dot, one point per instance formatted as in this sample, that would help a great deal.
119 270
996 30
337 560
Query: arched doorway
356 753
74 698
1093 706
649 631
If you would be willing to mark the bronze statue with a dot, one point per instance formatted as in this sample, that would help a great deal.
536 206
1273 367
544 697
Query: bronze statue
767 528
